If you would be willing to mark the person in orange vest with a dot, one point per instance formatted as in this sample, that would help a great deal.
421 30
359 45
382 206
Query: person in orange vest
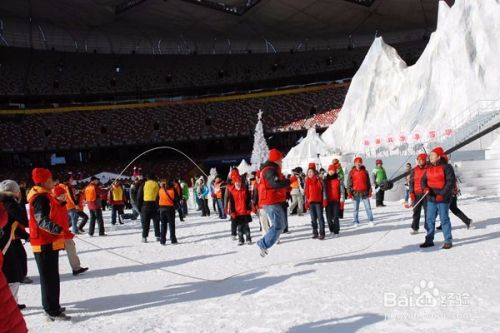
47 239
61 214
438 183
359 190
168 199
315 200
71 204
11 319
273 194
240 209
417 193
94 203
335 190
218 195
297 195
117 200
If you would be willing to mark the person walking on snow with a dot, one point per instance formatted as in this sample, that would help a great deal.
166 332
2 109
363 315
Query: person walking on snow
219 186
94 203
359 189
273 194
315 201
379 177
297 195
335 191
147 203
168 199
417 193
239 208
438 182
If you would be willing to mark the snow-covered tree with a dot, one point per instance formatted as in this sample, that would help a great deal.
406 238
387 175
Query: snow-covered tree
260 150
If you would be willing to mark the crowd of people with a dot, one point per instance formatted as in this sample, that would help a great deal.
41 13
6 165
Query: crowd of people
57 211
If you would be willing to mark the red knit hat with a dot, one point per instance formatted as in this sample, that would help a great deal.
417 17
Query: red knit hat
439 151
312 165
332 167
358 159
335 161
422 157
234 172
40 175
58 190
378 162
236 179
275 155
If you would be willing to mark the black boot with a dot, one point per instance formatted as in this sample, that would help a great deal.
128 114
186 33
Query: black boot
427 244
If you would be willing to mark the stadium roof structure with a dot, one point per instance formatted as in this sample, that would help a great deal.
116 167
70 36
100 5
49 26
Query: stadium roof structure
210 26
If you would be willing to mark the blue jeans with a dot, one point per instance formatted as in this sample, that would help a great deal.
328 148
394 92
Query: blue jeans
73 218
366 203
441 208
316 211
276 215
220 208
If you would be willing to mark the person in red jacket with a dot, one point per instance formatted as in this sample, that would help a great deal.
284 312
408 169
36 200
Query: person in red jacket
240 209
438 183
273 194
359 189
315 200
418 201
11 319
258 203
60 213
47 239
335 191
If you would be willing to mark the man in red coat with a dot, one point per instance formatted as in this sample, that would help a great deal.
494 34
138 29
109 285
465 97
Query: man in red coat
335 192
315 201
359 189
47 239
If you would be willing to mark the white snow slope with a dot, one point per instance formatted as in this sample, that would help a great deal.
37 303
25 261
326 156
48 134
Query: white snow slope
349 284
306 151
460 66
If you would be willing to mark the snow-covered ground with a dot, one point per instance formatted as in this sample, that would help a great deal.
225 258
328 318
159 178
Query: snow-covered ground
368 280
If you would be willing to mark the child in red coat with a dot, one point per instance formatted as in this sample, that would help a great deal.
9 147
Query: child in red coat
240 209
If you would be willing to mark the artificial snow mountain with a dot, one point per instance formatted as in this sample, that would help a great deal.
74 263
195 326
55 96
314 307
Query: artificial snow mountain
460 66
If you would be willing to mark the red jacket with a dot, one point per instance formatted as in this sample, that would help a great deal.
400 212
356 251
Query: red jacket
416 180
333 188
440 180
47 228
59 213
358 182
274 185
239 202
314 191
11 319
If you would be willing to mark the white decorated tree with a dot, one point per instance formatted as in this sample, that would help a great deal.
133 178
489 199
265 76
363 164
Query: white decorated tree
260 150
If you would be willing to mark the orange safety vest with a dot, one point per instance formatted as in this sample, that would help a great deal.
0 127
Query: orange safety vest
166 197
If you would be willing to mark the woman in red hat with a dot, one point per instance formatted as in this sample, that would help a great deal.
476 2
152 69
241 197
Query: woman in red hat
239 207
438 183
315 201
418 201
335 191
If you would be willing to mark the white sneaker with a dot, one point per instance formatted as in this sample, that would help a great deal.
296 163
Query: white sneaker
355 225
413 232
371 224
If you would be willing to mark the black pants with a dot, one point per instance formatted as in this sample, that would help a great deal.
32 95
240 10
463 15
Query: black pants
244 229
179 210
285 209
149 212
84 217
457 212
184 207
233 227
379 197
205 211
96 215
417 210
332 216
48 268
167 218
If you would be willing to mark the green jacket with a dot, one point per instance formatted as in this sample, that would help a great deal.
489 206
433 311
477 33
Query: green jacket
379 175
185 190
